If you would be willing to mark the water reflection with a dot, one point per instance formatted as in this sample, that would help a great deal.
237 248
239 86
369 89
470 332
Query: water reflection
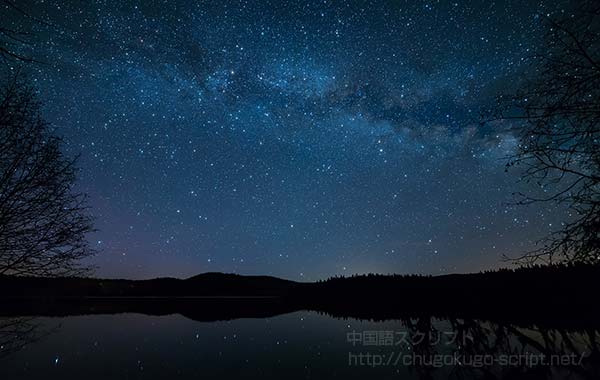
16 333
294 345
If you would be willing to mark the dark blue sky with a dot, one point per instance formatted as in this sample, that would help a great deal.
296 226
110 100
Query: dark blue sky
298 139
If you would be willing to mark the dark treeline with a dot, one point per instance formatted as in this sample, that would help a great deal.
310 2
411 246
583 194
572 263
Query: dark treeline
562 294
553 295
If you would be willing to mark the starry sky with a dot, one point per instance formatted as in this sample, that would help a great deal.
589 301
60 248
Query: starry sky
300 139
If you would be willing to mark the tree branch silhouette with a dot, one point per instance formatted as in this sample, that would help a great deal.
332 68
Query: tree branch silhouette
13 39
43 220
557 113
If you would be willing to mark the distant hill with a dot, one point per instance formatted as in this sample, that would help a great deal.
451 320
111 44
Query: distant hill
202 285
554 295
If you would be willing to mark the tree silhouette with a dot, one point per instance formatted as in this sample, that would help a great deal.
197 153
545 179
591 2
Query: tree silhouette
43 221
18 332
14 39
557 111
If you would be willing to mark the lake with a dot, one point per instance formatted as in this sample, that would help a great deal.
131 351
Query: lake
296 345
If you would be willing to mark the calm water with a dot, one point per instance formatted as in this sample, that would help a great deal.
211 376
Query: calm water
300 345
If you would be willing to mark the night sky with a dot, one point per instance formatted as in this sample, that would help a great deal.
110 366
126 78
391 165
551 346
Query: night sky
297 139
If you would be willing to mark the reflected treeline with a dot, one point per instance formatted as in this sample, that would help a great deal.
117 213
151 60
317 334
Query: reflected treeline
18 332
429 346
470 348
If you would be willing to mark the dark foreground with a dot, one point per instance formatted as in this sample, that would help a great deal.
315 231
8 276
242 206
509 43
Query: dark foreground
534 323
299 345
554 296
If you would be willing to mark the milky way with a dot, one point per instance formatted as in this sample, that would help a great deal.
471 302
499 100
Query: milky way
296 139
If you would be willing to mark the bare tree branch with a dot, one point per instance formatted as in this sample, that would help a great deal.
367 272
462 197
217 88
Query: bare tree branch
557 112
43 221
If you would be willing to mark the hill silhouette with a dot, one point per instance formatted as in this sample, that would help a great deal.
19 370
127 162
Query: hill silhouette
563 295
210 284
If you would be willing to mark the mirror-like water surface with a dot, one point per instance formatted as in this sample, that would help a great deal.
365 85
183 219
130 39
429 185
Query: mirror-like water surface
299 345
